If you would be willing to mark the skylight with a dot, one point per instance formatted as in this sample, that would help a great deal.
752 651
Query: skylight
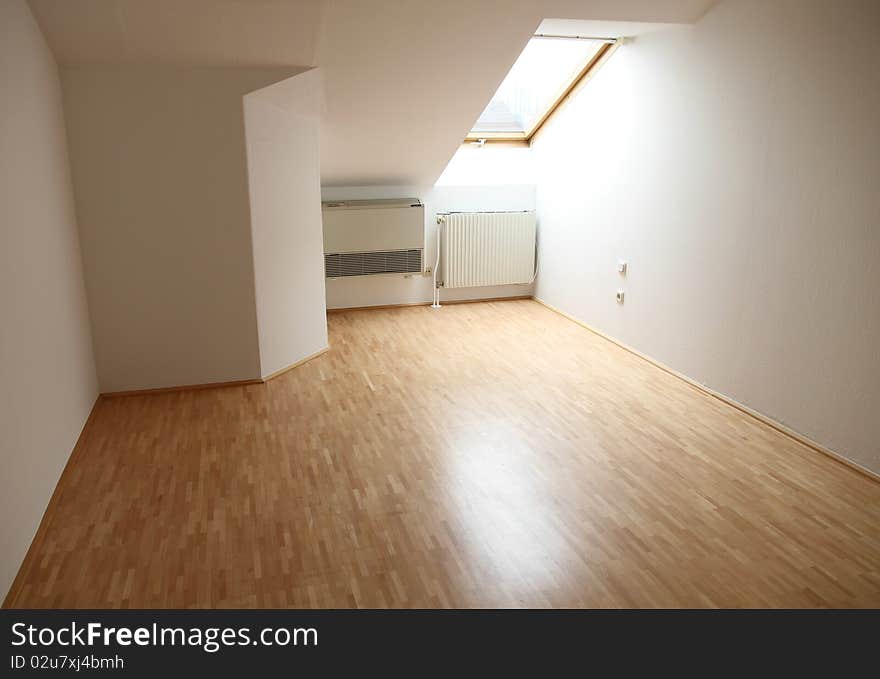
545 72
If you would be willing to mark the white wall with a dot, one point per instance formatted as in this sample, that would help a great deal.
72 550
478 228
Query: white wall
489 165
735 165
282 124
47 373
378 290
159 166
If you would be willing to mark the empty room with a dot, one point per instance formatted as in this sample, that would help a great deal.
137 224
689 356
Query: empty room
382 304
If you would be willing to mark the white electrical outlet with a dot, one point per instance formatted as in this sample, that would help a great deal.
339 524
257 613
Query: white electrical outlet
619 296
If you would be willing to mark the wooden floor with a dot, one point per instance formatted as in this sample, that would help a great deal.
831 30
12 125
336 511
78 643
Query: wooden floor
488 455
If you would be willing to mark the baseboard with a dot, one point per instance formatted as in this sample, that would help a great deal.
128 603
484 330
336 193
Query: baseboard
290 367
444 302
213 385
764 419
46 520
182 387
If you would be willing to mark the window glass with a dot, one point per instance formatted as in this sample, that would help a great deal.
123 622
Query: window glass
541 74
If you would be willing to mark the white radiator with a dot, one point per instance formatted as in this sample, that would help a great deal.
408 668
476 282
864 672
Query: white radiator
487 248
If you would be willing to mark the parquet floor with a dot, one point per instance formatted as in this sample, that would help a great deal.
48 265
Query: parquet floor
486 455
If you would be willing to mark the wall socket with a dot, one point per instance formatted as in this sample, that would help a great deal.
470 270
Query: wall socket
619 296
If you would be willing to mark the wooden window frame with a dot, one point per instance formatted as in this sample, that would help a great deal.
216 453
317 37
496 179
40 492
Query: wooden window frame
525 138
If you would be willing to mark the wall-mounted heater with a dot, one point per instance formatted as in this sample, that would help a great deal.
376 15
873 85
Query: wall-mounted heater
370 237
485 248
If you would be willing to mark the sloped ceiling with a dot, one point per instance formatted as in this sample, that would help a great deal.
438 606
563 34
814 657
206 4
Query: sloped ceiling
184 32
404 80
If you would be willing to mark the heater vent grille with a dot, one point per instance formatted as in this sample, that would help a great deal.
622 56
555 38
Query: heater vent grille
341 264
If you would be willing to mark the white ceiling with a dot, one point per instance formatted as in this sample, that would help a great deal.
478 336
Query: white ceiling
190 32
404 80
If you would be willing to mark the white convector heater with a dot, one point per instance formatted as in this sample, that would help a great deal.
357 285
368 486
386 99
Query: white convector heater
487 248
368 237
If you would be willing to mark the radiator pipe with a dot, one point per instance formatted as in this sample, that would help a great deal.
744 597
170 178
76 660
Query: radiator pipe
436 304
535 275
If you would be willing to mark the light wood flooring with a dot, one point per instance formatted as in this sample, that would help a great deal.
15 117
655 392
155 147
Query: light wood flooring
482 455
